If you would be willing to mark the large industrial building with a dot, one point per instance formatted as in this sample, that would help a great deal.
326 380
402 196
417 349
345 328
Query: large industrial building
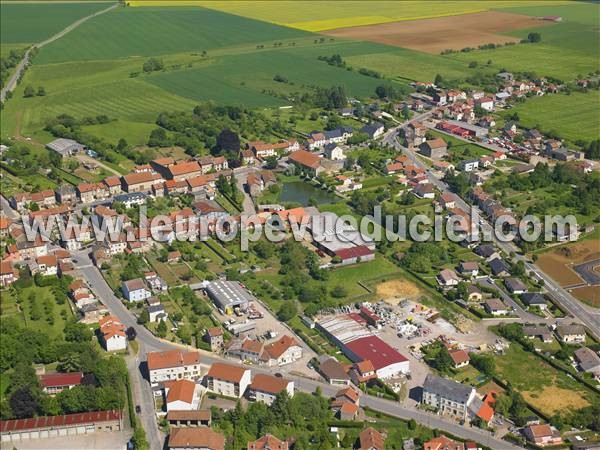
359 343
228 295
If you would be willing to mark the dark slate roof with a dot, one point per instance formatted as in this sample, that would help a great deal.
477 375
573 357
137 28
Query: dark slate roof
446 388
498 266
371 128
533 298
485 250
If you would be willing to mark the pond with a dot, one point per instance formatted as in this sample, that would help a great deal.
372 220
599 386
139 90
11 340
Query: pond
301 192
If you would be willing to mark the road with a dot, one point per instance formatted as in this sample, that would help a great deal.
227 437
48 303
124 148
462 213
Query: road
241 174
586 315
148 342
11 84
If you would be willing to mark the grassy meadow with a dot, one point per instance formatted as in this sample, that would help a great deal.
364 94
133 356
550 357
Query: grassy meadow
326 15
573 117
26 23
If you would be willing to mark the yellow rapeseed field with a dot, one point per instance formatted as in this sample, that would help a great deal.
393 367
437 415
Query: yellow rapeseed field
312 15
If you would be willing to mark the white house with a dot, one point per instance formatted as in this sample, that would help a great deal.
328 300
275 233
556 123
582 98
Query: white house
486 103
112 333
334 152
135 290
228 380
156 313
281 352
182 395
47 265
264 388
447 278
173 365
469 165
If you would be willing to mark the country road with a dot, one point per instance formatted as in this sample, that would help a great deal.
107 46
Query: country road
148 342
11 84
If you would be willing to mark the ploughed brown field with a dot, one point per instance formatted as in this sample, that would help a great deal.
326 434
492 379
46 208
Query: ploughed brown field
558 262
436 35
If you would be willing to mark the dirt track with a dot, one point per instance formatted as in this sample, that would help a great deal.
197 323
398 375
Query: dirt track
436 35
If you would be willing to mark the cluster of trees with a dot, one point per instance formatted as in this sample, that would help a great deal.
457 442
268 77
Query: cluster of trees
333 60
304 417
584 197
215 129
8 62
103 385
438 357
302 278
229 188
153 65
330 98
389 91
422 256
30 91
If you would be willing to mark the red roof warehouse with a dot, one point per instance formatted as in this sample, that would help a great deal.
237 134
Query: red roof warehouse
385 359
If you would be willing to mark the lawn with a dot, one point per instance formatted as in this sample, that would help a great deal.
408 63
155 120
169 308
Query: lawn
544 387
350 276
460 150
22 22
326 15
567 49
573 117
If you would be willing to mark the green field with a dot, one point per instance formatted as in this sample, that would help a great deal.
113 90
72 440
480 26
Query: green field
133 32
26 23
568 49
235 71
573 117
544 387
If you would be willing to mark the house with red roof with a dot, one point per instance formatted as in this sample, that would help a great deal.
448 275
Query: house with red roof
182 395
54 383
307 162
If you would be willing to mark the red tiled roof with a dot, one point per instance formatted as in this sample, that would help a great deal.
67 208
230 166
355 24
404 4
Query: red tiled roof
459 356
268 384
226 372
180 390
172 358
7 426
305 158
279 347
196 438
61 379
353 252
184 168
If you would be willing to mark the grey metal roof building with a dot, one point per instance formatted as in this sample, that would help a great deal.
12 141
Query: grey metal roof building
228 294
65 147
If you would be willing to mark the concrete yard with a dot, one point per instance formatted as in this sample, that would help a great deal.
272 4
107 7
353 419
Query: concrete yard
94 441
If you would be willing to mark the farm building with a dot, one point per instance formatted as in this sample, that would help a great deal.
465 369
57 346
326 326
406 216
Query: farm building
65 147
